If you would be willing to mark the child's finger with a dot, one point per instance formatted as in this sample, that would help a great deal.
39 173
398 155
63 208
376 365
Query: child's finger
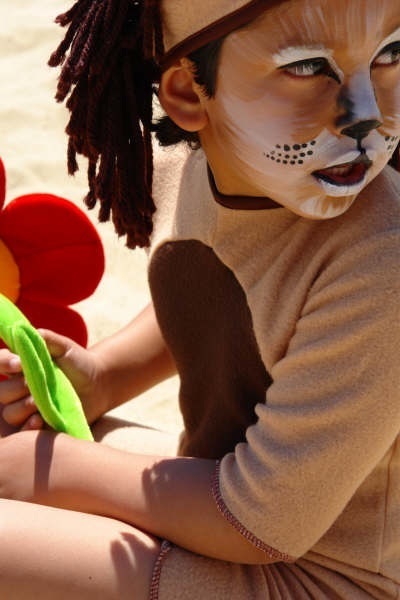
17 413
58 345
9 363
12 389
69 356
34 422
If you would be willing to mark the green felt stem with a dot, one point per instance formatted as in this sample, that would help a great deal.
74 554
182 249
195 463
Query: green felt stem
52 391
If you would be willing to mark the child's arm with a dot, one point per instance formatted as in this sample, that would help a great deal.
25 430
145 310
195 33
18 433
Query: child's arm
105 376
167 497
119 367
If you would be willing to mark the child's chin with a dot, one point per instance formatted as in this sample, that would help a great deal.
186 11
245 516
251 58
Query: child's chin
322 207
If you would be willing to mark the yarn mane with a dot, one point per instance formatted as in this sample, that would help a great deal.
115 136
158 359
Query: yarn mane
107 79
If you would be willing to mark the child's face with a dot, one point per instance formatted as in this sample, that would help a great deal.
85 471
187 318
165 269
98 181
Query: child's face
289 85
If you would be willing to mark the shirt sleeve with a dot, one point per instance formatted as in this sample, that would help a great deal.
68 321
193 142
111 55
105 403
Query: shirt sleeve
332 411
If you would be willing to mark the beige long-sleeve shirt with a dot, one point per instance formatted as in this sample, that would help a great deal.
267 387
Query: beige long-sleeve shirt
286 336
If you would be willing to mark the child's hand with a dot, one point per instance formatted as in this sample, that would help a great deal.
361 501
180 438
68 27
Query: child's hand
18 407
80 366
84 370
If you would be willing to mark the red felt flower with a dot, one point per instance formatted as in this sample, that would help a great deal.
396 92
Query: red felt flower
50 257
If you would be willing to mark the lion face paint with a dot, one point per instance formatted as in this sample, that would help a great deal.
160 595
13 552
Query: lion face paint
307 107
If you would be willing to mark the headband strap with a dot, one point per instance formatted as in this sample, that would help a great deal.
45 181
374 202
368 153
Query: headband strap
187 28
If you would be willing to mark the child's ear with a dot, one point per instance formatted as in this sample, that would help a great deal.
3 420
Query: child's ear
180 97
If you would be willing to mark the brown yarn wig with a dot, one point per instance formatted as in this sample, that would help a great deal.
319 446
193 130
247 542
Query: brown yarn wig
110 58
108 80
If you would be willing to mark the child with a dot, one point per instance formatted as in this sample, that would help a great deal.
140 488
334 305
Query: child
274 275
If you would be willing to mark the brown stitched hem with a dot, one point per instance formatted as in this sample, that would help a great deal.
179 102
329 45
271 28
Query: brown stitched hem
272 553
216 30
155 581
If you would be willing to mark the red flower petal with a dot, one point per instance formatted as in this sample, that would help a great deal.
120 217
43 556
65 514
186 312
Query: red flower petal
2 184
57 318
56 247
61 276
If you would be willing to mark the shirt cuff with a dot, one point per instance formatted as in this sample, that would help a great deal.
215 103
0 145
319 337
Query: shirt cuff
270 552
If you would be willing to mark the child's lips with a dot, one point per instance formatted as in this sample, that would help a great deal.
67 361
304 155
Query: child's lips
346 174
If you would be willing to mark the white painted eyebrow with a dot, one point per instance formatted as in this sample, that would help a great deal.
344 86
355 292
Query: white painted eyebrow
295 53
393 37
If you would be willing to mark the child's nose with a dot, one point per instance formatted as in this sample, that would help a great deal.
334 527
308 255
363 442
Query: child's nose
360 130
359 111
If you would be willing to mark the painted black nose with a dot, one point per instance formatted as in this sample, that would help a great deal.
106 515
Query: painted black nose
360 130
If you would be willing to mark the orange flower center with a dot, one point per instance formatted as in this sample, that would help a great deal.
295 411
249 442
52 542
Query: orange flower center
9 274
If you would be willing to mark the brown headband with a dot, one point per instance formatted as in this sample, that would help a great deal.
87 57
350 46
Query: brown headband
242 13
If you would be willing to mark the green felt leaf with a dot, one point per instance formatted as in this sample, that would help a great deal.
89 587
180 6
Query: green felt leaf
52 391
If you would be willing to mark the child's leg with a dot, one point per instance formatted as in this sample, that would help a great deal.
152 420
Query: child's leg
50 553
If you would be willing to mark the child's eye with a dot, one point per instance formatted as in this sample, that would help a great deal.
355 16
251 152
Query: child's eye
390 55
310 68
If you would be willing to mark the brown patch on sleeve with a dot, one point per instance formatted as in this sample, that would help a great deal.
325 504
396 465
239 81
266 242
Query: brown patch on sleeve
205 319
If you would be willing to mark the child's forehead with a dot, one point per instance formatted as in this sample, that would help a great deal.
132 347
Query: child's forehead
335 21
321 24
186 26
